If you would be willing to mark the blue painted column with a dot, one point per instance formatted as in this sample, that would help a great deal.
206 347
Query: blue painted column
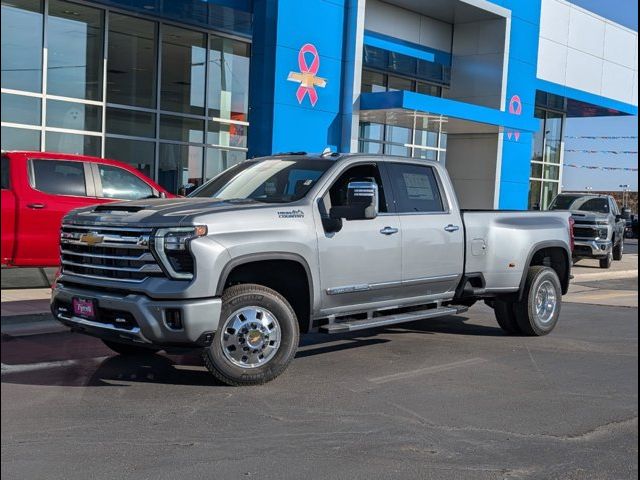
297 73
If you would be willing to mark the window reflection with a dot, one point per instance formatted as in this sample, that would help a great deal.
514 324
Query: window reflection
74 116
183 70
20 139
75 37
138 154
180 167
228 84
131 68
22 45
72 143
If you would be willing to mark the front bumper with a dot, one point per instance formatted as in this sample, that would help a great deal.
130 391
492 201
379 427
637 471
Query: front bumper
135 318
592 248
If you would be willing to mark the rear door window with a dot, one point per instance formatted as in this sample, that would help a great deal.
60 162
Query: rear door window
120 184
58 177
5 173
415 188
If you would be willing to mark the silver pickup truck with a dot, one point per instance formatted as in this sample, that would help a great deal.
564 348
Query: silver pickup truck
294 243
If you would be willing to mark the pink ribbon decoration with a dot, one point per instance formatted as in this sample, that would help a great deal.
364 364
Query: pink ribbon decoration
307 77
515 108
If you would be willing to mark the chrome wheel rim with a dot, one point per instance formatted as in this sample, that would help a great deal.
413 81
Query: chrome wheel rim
250 337
546 302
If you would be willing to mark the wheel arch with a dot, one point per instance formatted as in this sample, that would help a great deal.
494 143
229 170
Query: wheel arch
553 254
259 268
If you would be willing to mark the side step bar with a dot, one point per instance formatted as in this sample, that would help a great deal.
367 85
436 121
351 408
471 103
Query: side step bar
353 325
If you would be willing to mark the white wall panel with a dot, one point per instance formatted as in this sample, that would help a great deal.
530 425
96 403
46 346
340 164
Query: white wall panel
582 50
554 68
586 33
554 21
617 82
616 46
584 71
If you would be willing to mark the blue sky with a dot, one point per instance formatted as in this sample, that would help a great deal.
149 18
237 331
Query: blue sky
624 12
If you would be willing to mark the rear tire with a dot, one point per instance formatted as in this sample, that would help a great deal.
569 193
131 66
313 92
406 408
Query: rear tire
506 317
618 250
129 350
257 336
607 261
538 312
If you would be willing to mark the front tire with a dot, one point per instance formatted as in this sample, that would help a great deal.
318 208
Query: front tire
257 336
606 261
618 250
128 349
538 312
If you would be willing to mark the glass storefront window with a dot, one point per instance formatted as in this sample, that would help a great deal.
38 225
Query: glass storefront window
20 139
20 109
131 122
228 83
218 160
137 153
74 116
546 158
75 40
372 131
180 167
197 99
131 67
72 143
21 51
399 83
373 82
536 170
371 147
183 70
227 134
181 129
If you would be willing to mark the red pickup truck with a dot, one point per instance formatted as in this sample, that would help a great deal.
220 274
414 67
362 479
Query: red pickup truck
39 188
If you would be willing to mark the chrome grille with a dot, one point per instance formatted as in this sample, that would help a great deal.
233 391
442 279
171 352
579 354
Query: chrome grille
108 253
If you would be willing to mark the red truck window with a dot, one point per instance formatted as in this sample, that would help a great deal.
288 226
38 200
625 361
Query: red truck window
118 183
5 172
59 177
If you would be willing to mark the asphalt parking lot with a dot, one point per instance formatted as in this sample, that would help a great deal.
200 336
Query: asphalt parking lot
445 398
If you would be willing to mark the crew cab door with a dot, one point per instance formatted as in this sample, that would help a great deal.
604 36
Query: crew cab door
432 231
52 188
360 265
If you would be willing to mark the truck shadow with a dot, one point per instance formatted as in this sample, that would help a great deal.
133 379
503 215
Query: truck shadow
72 360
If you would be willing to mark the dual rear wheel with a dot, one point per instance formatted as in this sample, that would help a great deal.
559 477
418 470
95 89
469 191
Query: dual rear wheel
537 312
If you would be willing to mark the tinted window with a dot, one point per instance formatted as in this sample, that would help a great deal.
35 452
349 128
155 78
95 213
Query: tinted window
338 191
118 183
59 177
563 202
5 172
415 188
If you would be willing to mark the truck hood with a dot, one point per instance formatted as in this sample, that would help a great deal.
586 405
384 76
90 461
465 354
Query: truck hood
156 212
588 217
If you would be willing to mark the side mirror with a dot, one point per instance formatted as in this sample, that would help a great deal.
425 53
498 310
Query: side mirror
362 202
162 195
626 213
536 206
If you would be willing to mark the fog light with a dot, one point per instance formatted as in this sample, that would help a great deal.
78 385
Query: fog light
603 247
173 319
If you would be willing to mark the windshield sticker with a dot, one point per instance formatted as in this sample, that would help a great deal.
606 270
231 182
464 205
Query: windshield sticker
291 214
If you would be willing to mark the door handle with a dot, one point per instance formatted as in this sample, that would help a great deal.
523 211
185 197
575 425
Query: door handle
452 228
388 231
36 206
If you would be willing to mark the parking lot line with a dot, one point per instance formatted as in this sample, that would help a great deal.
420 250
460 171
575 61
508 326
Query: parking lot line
426 370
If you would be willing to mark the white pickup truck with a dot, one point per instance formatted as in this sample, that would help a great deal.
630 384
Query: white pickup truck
295 243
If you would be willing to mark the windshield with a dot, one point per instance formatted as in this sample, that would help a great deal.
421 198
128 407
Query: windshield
269 181
584 204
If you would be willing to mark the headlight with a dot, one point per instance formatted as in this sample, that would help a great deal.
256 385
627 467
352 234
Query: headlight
603 232
171 245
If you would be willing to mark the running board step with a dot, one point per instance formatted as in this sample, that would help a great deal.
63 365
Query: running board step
353 325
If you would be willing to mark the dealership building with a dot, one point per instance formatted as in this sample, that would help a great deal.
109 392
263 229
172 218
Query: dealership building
183 89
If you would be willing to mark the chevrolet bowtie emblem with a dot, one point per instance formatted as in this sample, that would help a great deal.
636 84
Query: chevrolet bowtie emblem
91 238
307 76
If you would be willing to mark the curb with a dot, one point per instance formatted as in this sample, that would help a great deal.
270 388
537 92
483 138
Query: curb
587 277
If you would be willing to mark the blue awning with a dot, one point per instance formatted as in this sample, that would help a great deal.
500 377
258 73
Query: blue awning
418 102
